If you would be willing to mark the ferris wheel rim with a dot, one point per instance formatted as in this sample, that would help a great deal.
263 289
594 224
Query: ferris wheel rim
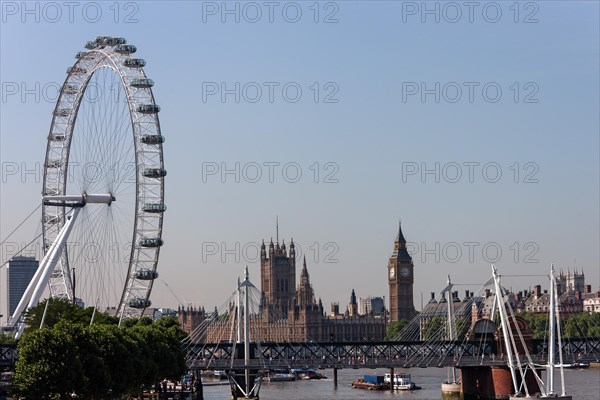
143 113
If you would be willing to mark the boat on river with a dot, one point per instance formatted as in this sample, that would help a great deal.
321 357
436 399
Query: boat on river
371 382
576 365
280 375
401 382
219 374
307 373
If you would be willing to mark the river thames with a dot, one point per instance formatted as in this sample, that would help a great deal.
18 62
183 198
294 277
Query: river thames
581 384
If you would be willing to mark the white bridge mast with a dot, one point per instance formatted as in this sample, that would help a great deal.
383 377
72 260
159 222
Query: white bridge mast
251 387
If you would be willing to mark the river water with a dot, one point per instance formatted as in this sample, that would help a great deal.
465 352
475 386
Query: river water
582 384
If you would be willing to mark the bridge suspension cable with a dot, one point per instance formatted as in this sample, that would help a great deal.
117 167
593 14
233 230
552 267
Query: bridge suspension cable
16 229
23 249
21 223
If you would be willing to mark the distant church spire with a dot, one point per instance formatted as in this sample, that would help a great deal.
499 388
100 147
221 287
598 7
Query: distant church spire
305 295
304 279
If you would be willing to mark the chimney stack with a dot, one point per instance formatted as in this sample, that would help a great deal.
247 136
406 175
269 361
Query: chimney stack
455 296
432 297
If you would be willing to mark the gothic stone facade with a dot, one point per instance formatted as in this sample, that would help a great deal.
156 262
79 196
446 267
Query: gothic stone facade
289 313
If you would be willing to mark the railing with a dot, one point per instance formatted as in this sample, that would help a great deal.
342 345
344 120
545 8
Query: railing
8 355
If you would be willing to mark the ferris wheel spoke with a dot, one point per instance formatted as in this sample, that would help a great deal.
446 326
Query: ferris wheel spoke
93 259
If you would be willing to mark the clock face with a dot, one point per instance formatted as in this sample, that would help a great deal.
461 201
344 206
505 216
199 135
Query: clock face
405 272
392 272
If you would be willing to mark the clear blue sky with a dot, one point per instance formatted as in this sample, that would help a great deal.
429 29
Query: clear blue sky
372 60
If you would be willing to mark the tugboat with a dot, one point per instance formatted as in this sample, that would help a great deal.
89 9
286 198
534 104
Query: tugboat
401 382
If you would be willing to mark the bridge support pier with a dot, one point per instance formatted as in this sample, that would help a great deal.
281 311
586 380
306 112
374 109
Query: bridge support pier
491 383
335 381
245 383
451 391
392 379
198 389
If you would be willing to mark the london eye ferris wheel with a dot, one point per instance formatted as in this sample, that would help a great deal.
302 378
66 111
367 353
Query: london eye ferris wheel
103 184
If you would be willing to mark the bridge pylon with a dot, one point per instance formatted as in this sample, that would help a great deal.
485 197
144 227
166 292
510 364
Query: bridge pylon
245 383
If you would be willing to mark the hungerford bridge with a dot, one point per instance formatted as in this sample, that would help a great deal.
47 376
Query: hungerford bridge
374 354
378 354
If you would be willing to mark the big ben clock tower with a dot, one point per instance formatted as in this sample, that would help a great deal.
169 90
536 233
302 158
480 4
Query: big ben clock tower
401 279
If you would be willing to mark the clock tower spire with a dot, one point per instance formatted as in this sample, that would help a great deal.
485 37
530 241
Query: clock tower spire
400 280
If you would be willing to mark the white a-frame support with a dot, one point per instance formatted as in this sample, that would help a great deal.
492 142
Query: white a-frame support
36 286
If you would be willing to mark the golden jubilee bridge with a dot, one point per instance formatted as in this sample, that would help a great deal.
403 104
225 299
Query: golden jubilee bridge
457 340
378 354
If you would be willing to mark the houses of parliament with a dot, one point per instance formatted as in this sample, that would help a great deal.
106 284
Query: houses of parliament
291 312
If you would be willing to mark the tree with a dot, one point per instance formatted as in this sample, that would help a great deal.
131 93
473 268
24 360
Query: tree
120 356
48 364
6 339
395 328
462 325
64 310
432 328
582 325
91 360
538 323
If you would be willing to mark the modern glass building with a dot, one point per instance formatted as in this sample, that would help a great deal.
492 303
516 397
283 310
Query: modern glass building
374 305
20 272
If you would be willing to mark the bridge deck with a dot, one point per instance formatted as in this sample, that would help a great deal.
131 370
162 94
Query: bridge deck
364 354
379 354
